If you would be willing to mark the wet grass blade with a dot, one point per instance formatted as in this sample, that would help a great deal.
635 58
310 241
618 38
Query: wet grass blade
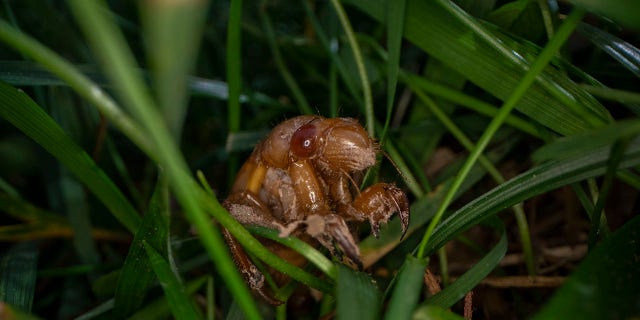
408 289
17 108
423 210
172 31
625 12
119 64
431 312
159 309
356 294
136 276
18 270
465 283
495 69
567 147
181 305
626 54
395 29
548 176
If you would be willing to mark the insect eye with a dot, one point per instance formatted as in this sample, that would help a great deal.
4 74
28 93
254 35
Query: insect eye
303 141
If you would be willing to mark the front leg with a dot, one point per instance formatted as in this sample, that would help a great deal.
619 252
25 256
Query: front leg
378 203
321 223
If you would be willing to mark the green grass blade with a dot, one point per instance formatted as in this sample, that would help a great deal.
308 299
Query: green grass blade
182 307
451 40
305 249
567 147
431 312
545 56
395 29
467 101
17 108
408 289
159 309
357 297
173 31
362 72
599 228
18 270
330 47
289 79
625 53
78 212
423 210
108 43
234 65
136 276
466 282
76 80
625 12
604 286
547 176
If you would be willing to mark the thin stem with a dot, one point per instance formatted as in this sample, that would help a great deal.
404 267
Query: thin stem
521 219
536 68
288 78
362 72
234 65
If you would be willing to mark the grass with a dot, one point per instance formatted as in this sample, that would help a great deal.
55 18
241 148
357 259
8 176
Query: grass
111 222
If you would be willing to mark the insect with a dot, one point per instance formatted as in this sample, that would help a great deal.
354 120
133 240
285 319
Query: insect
302 179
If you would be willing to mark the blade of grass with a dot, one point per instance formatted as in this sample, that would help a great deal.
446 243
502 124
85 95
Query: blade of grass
173 31
467 101
456 290
78 213
617 152
520 216
407 289
331 46
118 62
76 80
136 276
159 308
545 56
18 275
451 40
234 65
571 146
424 208
431 312
625 53
182 307
311 254
289 79
234 81
547 176
362 72
395 29
357 297
625 12
17 108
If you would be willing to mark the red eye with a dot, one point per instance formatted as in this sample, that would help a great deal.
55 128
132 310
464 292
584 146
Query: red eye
303 141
